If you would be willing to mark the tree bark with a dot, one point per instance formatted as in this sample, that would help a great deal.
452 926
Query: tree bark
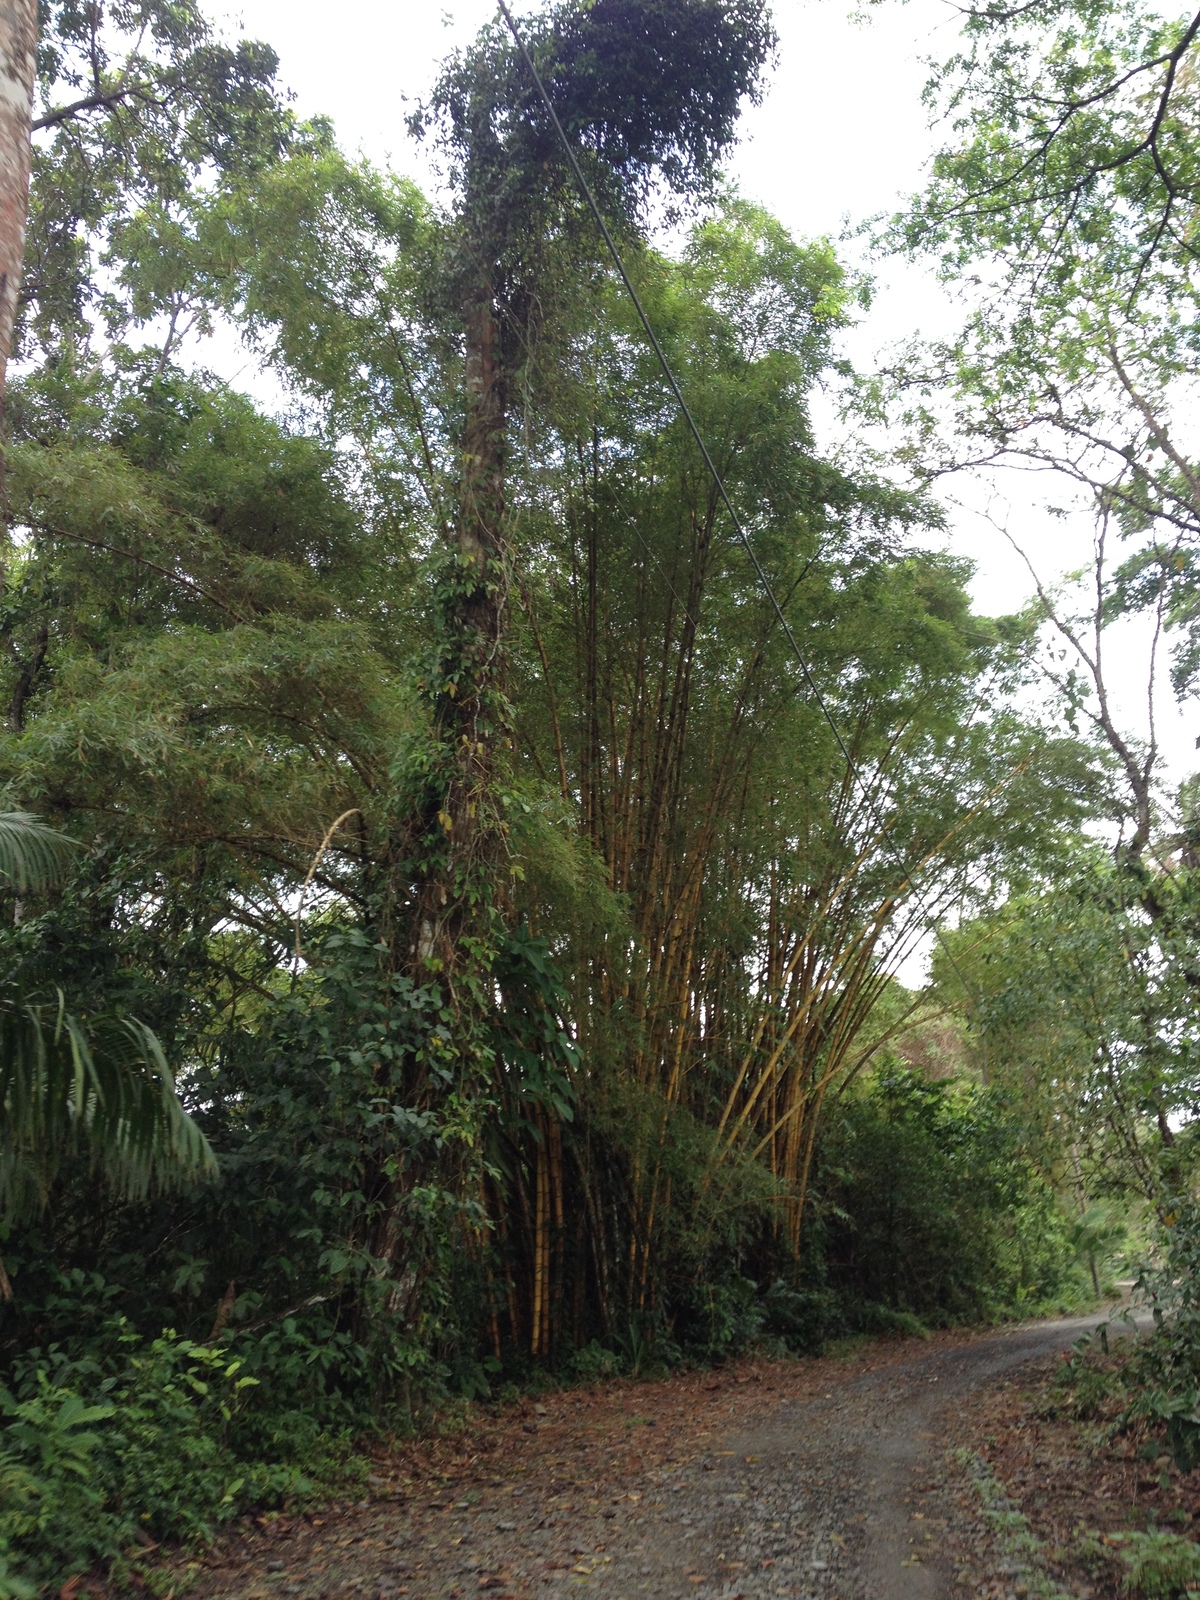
27 677
18 64
460 891
469 716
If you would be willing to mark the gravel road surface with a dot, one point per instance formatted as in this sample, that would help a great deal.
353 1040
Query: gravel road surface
825 1498
822 1479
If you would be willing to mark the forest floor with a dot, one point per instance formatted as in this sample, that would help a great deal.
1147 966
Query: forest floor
911 1470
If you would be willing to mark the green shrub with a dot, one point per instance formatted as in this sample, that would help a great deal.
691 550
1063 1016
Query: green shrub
593 1363
1162 1566
804 1318
52 1508
89 1460
1163 1373
887 1320
1082 1385
724 1318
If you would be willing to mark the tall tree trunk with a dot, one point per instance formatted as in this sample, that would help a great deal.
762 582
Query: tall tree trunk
471 712
18 63
460 892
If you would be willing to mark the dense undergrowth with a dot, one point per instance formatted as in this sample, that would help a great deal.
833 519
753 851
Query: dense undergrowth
1088 1470
1145 1384
118 1435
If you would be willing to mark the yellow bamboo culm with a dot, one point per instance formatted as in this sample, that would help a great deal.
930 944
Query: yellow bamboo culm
510 1288
539 1250
493 1318
554 1300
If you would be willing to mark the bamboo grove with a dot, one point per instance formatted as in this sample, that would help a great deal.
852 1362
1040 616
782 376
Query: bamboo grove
522 920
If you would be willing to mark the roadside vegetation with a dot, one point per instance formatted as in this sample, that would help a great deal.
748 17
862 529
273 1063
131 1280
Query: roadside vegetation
453 913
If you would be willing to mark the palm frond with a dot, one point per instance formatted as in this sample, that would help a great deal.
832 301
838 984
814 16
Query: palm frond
32 854
99 1092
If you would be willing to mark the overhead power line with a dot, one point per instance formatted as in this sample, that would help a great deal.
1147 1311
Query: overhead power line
685 412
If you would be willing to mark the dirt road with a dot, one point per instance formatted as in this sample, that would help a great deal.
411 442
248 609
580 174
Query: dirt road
819 1479
835 1495
823 1497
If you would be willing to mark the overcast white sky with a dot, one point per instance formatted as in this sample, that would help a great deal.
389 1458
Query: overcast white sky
841 135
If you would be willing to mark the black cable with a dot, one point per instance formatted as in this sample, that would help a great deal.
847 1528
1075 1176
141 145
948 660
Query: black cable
718 481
